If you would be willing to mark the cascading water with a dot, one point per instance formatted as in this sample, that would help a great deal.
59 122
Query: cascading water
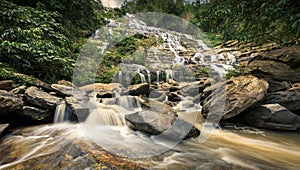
157 76
60 111
169 75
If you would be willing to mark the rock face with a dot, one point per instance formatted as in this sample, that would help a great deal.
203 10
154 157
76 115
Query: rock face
165 125
272 116
139 89
273 70
9 103
65 90
288 99
41 99
240 93
275 86
6 85
36 115
287 55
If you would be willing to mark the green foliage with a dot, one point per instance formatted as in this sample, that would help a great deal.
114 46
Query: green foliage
32 42
235 72
8 73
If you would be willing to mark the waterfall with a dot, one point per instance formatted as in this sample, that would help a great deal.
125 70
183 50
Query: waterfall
169 75
149 76
60 111
142 76
157 77
120 77
104 115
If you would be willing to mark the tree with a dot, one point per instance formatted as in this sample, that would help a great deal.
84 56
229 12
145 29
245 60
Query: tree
146 43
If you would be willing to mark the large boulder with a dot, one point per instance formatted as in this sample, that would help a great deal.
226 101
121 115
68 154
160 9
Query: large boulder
80 106
6 85
41 99
9 103
64 90
288 99
165 125
235 96
35 115
100 87
272 116
139 89
287 55
273 70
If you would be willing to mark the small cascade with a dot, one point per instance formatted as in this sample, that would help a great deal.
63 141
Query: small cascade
120 77
142 76
169 75
104 115
149 76
128 102
173 43
60 111
157 76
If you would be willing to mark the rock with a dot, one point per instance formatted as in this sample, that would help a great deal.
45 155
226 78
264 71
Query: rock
275 86
7 85
272 116
66 83
295 87
36 115
237 95
80 106
155 106
139 89
287 55
174 97
18 90
3 127
100 87
64 90
288 99
40 98
272 69
105 94
172 82
167 126
156 93
9 103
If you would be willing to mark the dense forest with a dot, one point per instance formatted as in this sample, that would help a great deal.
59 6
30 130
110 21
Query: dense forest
43 38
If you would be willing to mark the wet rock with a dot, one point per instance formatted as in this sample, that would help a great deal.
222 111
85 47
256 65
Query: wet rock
235 96
6 85
155 106
272 116
174 97
288 99
80 106
139 89
156 94
41 99
272 69
3 127
36 115
18 90
164 125
9 103
64 90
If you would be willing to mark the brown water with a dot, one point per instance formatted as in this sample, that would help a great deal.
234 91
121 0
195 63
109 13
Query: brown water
237 148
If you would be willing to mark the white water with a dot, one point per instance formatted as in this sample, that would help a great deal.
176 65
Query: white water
59 115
